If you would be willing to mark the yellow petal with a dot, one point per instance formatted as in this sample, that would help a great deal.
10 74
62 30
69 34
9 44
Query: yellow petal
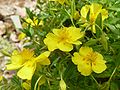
43 58
99 56
85 68
1 77
104 13
93 29
85 50
28 20
61 1
77 42
65 46
56 31
84 11
51 41
44 61
76 15
52 0
76 59
27 71
44 54
41 22
16 59
98 65
21 36
74 33
15 52
13 66
95 9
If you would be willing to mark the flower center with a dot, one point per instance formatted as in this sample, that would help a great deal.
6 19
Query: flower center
90 58
64 36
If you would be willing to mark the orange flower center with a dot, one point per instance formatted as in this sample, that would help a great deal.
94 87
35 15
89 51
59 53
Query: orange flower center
63 36
90 58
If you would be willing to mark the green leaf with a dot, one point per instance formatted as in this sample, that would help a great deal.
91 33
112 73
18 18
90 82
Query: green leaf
104 41
88 16
100 24
91 42
114 86
114 9
31 31
16 82
72 7
113 29
105 86
117 59
30 14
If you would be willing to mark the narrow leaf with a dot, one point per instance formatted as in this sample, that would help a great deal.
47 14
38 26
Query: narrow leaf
100 24
104 42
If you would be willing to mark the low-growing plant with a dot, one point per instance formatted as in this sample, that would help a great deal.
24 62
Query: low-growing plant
74 45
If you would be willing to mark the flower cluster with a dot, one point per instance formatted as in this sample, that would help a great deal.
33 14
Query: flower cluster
69 42
94 9
33 23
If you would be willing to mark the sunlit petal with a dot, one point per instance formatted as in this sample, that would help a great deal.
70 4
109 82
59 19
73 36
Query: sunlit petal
85 50
65 47
26 72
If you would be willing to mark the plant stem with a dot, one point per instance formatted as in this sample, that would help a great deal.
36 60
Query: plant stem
35 87
95 80
70 18
112 74
99 28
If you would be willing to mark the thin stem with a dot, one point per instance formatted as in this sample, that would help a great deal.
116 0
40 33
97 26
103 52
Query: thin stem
112 74
95 80
87 27
94 35
36 42
70 18
99 28
35 88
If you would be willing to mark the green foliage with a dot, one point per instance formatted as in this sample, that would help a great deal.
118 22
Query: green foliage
106 41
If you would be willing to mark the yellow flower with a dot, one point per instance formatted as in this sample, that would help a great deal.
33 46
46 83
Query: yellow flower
63 38
60 1
95 9
1 75
87 61
76 15
21 36
27 61
34 22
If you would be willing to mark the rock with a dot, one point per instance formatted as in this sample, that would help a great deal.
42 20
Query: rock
6 10
6 2
2 28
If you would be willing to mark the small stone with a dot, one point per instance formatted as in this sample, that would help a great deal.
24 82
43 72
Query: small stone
6 10
2 28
